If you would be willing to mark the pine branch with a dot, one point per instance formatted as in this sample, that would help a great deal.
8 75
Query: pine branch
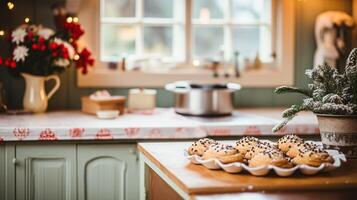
288 115
288 89
279 126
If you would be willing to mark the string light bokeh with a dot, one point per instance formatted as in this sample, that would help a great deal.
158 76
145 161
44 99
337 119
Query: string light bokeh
10 5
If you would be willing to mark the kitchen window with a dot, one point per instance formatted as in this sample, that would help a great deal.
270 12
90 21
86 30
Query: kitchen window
223 27
155 28
176 36
141 28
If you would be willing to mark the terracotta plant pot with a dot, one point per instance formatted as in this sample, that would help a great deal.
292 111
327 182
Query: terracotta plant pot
339 132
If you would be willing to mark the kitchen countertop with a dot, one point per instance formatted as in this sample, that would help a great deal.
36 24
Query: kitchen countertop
159 124
167 160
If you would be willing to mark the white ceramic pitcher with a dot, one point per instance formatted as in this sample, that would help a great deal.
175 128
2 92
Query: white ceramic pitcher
35 98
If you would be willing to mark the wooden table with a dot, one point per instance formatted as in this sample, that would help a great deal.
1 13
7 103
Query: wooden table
166 173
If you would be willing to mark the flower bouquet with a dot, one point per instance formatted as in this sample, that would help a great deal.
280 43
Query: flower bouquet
38 53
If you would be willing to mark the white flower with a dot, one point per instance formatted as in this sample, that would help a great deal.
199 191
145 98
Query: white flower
18 35
45 33
62 62
68 46
20 52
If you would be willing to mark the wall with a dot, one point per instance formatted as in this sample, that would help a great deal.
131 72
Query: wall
68 97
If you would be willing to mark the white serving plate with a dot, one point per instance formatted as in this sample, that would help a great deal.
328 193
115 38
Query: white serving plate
238 167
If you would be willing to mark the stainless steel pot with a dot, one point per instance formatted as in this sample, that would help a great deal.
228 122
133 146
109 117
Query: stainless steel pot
203 99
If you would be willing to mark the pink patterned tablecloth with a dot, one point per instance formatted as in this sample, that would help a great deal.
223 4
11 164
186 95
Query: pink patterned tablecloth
159 124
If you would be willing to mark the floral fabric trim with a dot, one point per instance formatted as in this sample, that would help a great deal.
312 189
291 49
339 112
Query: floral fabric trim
160 124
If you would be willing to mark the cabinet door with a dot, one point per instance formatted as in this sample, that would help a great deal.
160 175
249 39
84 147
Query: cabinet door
108 172
46 172
7 172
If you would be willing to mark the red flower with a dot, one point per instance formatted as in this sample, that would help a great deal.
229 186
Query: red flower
7 62
84 60
13 64
42 47
10 63
0 61
74 30
35 46
58 50
53 45
41 40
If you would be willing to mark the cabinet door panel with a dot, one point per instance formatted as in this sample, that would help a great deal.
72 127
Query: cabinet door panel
107 172
104 177
46 172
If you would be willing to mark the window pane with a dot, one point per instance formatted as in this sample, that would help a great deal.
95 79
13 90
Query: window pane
158 41
250 41
208 41
117 40
207 9
158 8
246 11
119 8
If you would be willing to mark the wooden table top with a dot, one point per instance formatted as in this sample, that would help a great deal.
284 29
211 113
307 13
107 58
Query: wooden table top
196 179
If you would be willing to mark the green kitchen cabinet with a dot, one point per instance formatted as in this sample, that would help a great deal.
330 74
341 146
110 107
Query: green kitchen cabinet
108 172
46 172
7 172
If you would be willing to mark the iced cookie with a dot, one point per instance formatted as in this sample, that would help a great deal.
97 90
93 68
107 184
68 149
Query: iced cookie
198 147
224 153
270 157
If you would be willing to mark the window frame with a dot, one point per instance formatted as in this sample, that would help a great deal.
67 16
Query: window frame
227 23
283 26
139 22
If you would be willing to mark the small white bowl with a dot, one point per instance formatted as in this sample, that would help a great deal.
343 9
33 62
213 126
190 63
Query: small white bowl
107 114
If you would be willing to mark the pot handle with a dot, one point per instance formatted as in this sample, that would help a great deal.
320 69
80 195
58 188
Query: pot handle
233 86
178 86
55 88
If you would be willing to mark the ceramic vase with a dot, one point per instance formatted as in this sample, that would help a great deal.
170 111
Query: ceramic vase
35 99
339 132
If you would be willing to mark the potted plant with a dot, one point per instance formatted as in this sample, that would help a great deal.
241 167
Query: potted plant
332 96
38 54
